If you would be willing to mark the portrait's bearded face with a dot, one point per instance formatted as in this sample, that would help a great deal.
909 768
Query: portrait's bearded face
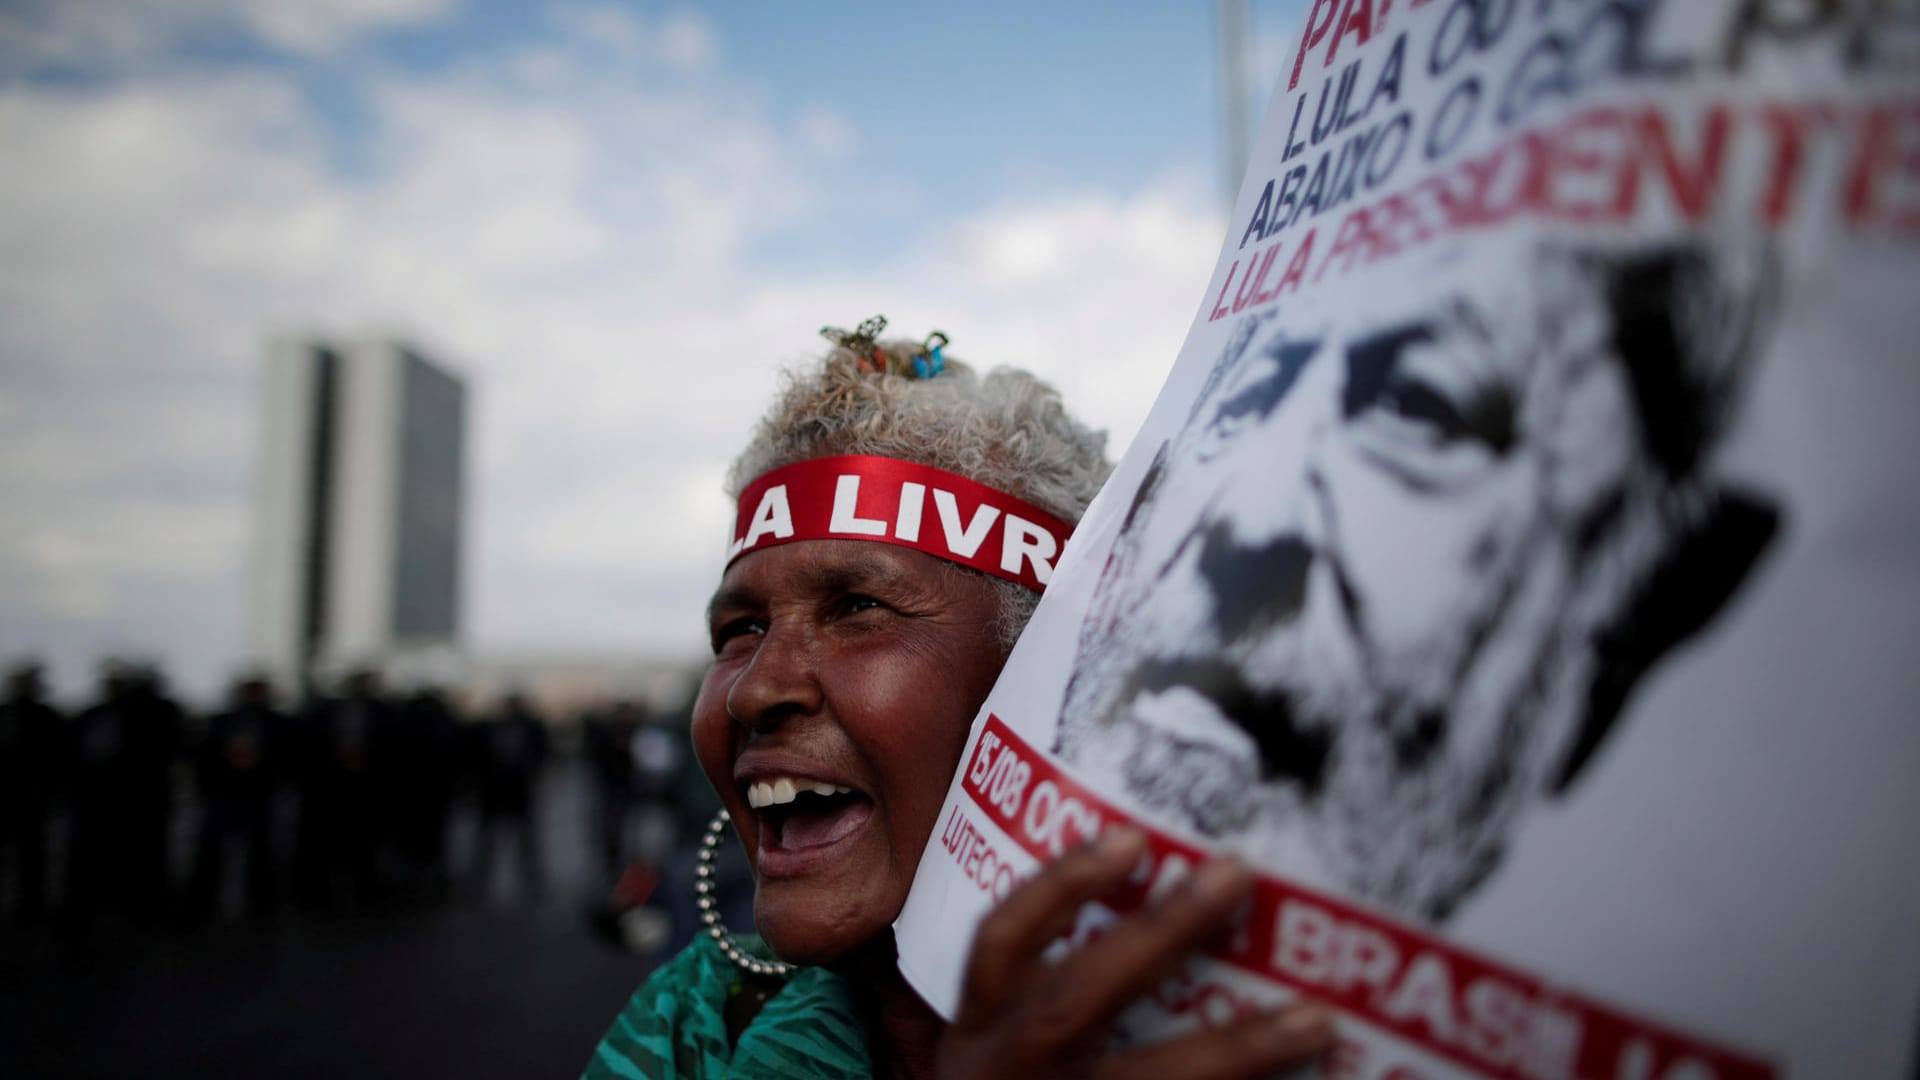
1377 560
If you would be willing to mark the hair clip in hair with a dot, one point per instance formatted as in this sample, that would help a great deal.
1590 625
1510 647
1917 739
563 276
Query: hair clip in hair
862 341
929 361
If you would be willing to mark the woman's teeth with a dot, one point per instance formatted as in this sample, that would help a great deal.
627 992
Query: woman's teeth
786 789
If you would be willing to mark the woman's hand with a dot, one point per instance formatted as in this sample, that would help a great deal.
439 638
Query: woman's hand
1022 1016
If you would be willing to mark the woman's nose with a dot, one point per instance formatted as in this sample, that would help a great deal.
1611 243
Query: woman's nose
781 681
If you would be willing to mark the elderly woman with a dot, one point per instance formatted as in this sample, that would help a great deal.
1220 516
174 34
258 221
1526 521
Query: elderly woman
897 516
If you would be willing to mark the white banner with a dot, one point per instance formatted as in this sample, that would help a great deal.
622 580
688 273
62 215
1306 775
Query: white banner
1521 565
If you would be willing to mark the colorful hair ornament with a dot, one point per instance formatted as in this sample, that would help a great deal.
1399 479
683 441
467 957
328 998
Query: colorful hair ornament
929 361
863 342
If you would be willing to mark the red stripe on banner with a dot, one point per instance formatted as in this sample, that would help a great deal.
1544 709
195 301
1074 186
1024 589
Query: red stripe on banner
862 497
1493 1019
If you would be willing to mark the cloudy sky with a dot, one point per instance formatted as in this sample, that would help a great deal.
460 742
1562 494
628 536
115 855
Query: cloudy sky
617 221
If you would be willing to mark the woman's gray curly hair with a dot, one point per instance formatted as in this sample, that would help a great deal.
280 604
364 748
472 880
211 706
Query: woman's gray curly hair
1006 429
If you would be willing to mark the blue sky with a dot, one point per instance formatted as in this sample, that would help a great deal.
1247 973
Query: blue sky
617 220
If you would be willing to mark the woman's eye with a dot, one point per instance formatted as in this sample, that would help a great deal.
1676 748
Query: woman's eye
735 630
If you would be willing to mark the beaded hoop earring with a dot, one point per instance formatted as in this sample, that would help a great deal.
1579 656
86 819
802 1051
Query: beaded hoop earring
710 908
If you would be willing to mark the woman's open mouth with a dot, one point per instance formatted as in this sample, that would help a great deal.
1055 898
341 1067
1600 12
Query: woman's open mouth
801 817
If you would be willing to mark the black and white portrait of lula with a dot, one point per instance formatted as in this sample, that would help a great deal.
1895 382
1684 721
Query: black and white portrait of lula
1396 579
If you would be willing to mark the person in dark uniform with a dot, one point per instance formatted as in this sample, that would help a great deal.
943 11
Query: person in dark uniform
30 740
239 766
334 849
157 742
122 757
659 752
417 779
514 750
608 738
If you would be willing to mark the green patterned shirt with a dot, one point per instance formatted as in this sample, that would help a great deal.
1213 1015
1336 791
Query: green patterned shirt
675 1026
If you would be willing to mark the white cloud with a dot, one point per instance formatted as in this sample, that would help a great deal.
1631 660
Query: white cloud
687 39
825 132
312 26
681 39
99 33
579 247
606 25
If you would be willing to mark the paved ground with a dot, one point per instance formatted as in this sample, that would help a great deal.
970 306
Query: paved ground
484 989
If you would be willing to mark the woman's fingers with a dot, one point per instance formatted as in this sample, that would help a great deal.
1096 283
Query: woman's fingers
1257 1045
1132 956
1020 1016
1041 909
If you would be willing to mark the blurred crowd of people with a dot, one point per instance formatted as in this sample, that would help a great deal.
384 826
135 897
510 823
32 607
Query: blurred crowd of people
134 808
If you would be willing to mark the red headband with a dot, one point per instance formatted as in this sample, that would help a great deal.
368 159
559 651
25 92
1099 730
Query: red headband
861 497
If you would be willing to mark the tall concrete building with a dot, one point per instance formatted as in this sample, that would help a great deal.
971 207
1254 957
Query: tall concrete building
358 510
